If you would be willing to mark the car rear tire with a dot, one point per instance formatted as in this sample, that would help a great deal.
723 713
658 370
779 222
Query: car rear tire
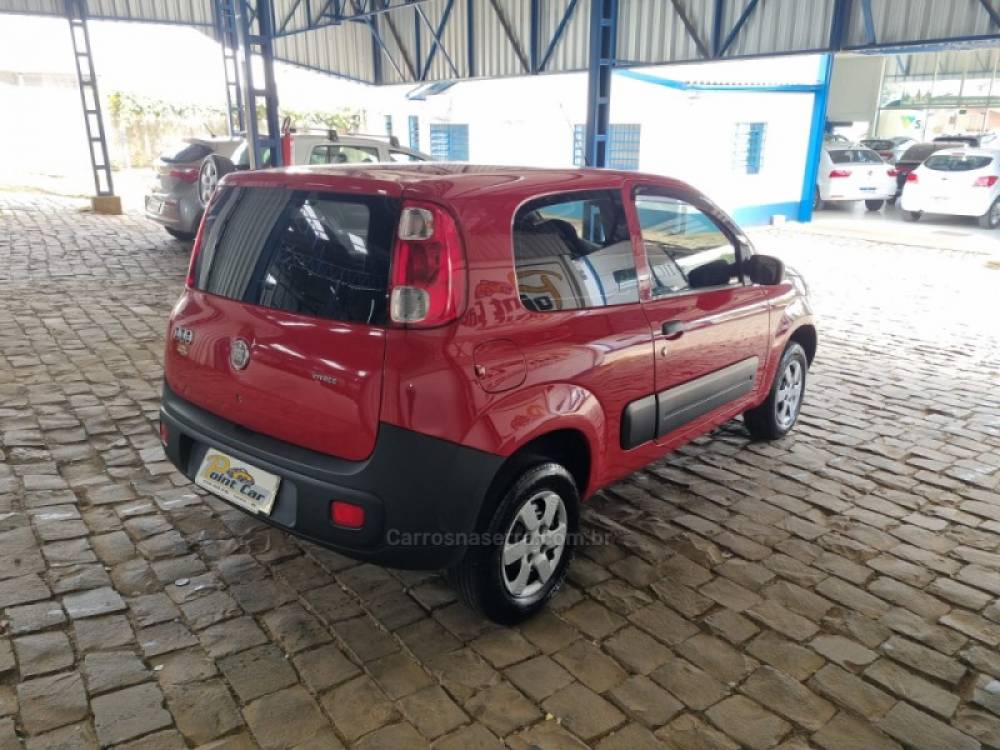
526 547
774 418
874 205
912 215
818 203
180 234
213 168
991 219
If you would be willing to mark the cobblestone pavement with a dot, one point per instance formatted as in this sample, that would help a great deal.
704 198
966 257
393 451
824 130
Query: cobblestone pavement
835 590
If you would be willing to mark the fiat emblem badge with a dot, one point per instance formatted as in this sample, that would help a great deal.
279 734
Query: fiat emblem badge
239 354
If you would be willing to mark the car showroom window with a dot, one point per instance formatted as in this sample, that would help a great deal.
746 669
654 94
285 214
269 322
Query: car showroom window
572 251
685 248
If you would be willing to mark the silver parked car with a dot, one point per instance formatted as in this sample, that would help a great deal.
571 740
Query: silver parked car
173 199
187 176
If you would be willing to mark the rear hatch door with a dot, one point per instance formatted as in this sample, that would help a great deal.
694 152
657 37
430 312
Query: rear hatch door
294 282
948 179
858 173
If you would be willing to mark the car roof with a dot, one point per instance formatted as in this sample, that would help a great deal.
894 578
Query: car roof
967 151
449 180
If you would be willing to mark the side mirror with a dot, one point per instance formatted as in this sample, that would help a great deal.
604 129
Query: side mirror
765 270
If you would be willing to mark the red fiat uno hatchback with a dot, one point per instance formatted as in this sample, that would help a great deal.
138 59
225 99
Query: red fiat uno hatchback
430 366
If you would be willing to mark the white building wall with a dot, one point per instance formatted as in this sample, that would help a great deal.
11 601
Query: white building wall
689 135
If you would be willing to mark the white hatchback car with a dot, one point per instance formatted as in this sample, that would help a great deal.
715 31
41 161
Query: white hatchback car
848 172
960 182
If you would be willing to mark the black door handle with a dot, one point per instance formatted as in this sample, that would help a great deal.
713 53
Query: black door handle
673 329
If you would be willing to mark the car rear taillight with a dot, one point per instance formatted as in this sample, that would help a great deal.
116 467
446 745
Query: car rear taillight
987 180
840 173
428 268
188 174
892 172
911 177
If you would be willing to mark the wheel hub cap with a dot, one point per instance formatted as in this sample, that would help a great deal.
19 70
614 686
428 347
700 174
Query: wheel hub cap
789 395
534 544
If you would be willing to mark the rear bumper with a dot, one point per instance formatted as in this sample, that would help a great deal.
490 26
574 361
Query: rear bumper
961 205
421 495
180 212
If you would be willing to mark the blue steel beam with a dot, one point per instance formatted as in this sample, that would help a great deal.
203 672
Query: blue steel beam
557 36
991 11
603 43
720 12
437 44
255 31
691 30
535 18
840 24
869 19
740 23
817 129
470 37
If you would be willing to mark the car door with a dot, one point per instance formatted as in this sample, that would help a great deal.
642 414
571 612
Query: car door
709 326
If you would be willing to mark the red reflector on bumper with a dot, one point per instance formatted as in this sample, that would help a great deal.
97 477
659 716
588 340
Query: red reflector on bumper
347 514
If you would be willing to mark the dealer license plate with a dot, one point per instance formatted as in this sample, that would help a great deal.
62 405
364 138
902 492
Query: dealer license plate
238 482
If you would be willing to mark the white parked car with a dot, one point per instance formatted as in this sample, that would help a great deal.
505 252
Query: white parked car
958 182
853 173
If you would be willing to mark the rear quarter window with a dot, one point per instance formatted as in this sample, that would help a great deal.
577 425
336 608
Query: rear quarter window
572 251
957 162
318 254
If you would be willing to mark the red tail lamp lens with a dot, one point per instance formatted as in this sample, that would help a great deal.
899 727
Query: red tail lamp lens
428 268
348 515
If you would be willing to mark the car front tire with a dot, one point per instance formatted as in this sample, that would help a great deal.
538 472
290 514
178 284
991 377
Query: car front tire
179 234
874 205
775 418
991 219
526 547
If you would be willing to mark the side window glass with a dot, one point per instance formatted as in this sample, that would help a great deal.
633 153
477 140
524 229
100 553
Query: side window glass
685 248
320 155
353 155
402 156
572 251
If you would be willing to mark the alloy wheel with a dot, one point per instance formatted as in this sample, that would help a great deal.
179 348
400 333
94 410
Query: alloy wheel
789 395
207 181
534 544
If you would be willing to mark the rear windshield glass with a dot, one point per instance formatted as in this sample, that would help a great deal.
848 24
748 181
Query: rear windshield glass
312 253
879 145
855 156
185 152
957 162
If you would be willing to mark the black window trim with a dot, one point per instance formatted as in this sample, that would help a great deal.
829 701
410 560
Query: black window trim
568 196
744 250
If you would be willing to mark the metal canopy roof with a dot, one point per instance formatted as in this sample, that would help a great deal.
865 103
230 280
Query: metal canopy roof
407 41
